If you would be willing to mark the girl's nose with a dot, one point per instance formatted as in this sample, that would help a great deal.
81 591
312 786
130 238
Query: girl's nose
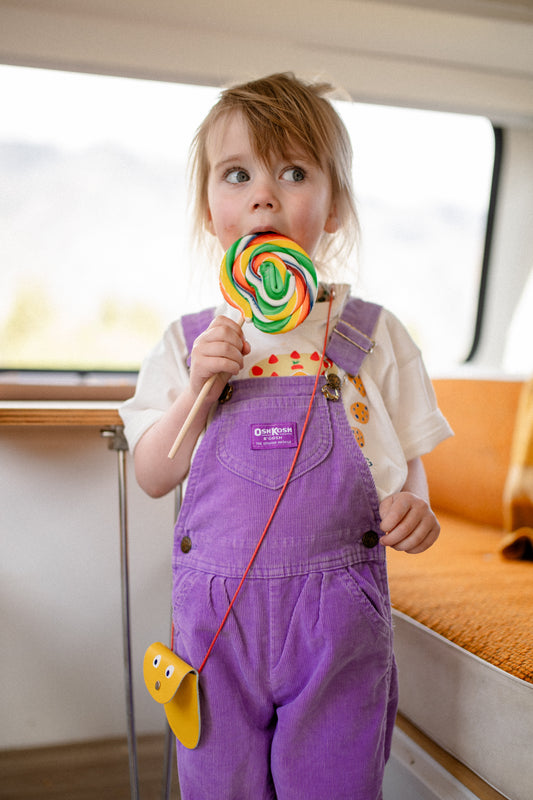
264 194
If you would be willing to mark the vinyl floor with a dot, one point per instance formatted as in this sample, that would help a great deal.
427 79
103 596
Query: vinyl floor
99 770
85 771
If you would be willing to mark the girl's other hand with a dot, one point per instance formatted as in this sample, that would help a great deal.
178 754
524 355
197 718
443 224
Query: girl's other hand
409 523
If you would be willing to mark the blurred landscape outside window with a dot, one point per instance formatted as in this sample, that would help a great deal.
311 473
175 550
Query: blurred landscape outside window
94 228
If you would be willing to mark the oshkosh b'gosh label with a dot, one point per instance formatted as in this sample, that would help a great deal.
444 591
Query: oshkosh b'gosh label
268 436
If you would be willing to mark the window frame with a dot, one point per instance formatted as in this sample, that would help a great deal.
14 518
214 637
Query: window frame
499 149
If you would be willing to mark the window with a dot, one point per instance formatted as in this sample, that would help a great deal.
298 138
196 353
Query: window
423 181
93 218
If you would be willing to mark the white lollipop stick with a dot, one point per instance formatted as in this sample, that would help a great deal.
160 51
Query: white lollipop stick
206 388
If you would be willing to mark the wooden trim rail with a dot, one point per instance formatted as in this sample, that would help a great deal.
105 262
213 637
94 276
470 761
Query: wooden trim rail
59 414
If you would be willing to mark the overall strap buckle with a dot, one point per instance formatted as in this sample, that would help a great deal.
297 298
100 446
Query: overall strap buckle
352 339
355 336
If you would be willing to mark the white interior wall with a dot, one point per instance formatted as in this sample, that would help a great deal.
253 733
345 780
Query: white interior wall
61 659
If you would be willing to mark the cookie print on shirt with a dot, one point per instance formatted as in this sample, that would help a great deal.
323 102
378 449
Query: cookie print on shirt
359 410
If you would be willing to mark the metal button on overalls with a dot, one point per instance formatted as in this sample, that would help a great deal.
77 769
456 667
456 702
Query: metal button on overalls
370 539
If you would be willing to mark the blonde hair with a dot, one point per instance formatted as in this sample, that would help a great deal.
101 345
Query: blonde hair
283 113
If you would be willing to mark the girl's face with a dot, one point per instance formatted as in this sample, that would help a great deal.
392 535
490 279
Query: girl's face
291 196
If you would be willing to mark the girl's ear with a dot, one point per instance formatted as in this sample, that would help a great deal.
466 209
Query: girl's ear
210 228
331 224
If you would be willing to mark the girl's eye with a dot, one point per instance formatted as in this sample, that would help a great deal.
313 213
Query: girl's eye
294 174
236 176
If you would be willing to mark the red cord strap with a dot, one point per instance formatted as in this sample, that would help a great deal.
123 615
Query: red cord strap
282 492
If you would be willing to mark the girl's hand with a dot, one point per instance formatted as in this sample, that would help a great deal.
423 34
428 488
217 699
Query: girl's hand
409 523
220 351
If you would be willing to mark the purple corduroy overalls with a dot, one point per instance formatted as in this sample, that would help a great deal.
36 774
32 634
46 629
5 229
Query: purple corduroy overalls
299 694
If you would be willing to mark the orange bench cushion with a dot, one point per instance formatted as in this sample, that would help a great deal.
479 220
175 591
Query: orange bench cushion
465 590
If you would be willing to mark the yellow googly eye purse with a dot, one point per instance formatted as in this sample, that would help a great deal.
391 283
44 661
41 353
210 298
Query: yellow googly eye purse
174 684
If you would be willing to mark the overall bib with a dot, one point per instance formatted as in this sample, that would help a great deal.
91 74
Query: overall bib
299 695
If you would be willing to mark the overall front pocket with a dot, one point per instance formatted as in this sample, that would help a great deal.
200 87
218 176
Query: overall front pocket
258 440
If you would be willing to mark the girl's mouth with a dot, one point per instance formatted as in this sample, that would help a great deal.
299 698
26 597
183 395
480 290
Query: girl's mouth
265 232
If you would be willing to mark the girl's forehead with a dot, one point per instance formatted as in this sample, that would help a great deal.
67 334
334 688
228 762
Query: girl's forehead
230 127
231 132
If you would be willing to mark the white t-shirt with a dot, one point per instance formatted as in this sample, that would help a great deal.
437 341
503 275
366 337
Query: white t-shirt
390 405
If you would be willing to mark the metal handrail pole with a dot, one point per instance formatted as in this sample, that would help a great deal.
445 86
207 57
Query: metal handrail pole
119 444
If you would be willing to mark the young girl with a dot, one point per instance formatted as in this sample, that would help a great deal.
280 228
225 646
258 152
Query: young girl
299 694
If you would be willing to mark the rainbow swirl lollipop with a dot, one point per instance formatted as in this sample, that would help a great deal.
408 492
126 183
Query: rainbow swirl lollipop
271 279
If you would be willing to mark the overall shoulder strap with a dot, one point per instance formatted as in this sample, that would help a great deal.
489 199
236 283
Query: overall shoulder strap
351 339
195 324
